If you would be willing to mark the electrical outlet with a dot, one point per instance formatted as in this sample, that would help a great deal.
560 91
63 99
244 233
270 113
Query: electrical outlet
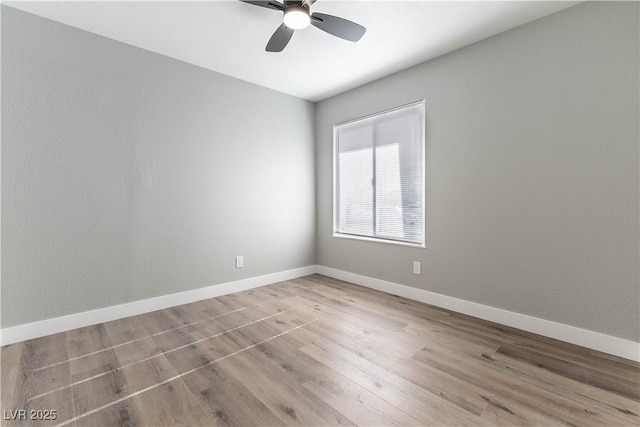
239 261
417 267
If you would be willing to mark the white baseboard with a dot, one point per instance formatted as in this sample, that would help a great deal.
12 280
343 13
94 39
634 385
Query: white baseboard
78 320
582 337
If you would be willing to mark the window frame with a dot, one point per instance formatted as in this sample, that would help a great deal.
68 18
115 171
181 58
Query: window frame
335 213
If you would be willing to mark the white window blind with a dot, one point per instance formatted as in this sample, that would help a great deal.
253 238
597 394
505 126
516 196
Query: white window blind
379 176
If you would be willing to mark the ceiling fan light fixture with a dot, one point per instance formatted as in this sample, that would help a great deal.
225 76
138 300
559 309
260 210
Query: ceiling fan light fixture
297 18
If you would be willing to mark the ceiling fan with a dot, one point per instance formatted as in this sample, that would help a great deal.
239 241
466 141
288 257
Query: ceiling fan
297 16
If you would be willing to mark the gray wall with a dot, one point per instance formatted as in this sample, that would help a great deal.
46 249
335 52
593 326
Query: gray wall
531 175
128 175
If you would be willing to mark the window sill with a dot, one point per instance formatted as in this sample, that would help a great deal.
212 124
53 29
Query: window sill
374 240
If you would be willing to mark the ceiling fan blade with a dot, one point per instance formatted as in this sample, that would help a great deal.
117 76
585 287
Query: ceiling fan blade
338 27
279 39
273 5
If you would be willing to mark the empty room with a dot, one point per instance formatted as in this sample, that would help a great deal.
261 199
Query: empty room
320 213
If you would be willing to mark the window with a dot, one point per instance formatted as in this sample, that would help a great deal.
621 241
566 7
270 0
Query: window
379 176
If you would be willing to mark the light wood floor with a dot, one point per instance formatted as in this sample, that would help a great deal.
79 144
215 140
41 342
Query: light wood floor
313 351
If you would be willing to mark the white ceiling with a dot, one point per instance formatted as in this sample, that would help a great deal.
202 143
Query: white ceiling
230 36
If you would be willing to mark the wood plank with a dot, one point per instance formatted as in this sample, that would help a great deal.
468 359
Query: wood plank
595 399
506 383
611 365
503 411
566 397
370 315
31 369
227 400
94 364
402 308
136 351
292 404
173 339
197 355
158 321
121 414
458 392
87 340
276 291
11 377
244 298
125 330
120 384
240 318
100 391
206 328
432 333
283 358
406 396
357 403
183 315
358 331
629 388
49 350
209 307
172 404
